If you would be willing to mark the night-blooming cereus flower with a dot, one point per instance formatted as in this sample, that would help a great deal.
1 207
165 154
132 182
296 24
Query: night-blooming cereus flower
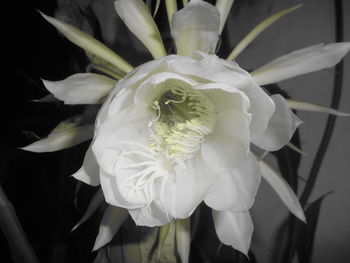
178 130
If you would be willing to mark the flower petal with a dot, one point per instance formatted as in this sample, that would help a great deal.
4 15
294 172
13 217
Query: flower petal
300 62
111 192
228 145
195 27
262 108
183 238
96 201
305 106
186 190
65 135
89 43
224 7
280 128
235 190
257 30
234 229
82 88
111 221
212 68
89 172
150 216
283 190
137 18
225 96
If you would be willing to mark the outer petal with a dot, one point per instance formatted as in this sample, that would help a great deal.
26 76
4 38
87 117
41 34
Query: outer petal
235 191
94 204
257 30
283 190
300 62
195 27
302 105
228 145
234 229
280 128
150 216
187 187
82 88
262 108
214 69
89 172
137 18
89 44
112 219
65 135
224 6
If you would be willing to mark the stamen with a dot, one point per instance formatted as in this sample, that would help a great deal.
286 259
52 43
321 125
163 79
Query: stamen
184 117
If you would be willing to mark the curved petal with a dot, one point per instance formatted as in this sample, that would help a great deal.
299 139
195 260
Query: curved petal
224 149
150 216
159 83
283 190
65 135
137 18
280 128
262 108
187 187
111 192
195 27
82 88
111 221
89 172
225 96
235 191
300 62
234 229
129 125
212 68
94 204
89 43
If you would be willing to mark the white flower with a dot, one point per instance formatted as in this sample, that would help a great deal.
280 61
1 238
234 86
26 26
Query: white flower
177 130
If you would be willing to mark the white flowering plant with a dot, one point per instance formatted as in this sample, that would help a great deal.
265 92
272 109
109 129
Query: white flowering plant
183 130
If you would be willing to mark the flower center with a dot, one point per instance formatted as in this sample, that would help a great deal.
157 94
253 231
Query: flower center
184 117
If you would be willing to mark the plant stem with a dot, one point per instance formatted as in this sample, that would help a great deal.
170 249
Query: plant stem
337 90
22 251
322 149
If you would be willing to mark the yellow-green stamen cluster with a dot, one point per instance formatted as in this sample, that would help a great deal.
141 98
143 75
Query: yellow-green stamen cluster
184 117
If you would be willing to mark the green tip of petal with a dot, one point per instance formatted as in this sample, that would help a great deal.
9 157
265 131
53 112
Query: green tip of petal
258 29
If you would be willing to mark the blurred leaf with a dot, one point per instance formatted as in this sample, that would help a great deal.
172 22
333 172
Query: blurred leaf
307 231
